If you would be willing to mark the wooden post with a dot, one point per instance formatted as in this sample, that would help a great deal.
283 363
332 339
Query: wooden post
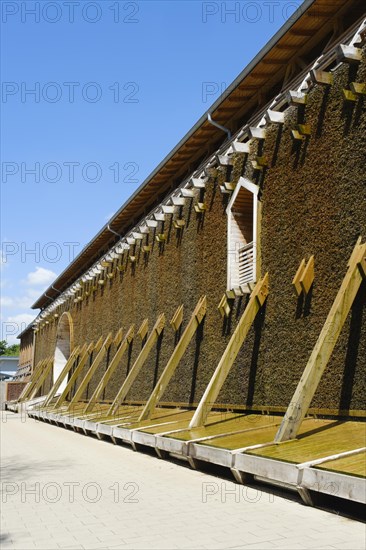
83 359
257 299
323 348
69 363
42 377
83 384
137 366
110 370
158 391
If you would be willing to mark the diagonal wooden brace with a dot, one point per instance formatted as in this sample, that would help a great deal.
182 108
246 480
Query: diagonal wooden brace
110 370
138 364
323 349
158 391
257 299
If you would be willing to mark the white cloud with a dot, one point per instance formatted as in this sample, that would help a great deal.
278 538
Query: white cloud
6 301
14 325
40 277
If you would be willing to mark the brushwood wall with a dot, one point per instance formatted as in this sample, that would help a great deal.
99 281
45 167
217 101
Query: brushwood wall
313 197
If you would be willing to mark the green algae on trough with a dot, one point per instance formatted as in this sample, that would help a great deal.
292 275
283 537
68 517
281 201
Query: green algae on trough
220 423
354 465
317 440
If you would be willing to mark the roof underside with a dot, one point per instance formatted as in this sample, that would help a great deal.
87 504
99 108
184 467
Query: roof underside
316 25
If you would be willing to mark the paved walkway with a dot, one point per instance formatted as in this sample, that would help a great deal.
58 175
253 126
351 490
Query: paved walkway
64 490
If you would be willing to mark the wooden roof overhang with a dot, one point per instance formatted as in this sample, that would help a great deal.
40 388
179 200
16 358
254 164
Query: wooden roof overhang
314 26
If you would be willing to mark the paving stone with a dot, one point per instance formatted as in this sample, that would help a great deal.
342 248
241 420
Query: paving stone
169 513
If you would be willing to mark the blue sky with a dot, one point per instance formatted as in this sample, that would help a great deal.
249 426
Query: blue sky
94 95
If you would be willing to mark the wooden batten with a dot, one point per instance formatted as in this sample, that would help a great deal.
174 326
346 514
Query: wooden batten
304 129
304 276
177 318
159 216
143 330
160 237
224 307
200 207
179 223
152 224
348 95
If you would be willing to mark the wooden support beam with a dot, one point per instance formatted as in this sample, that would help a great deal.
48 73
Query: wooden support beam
197 317
75 375
69 364
33 380
304 277
257 299
323 349
83 384
46 369
137 366
110 370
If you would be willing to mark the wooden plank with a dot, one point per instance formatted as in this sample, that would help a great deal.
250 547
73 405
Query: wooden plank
137 366
75 375
83 384
69 364
298 275
34 376
212 391
110 370
197 317
324 346
46 369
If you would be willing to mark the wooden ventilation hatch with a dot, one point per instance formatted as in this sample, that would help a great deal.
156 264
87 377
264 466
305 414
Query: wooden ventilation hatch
242 222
